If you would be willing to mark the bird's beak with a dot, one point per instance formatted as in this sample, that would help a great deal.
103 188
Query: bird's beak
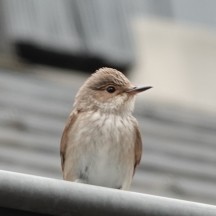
137 89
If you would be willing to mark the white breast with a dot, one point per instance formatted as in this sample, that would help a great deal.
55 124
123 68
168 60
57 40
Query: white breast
101 150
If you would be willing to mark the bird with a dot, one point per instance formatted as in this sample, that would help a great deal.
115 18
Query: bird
101 143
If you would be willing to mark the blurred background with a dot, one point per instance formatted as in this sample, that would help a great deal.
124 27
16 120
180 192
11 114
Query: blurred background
49 47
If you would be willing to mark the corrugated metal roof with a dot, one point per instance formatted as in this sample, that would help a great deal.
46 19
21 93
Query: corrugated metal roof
179 144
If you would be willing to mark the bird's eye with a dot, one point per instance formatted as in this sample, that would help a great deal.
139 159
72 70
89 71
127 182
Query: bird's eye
110 89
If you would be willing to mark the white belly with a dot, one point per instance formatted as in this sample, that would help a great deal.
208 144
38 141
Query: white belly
101 150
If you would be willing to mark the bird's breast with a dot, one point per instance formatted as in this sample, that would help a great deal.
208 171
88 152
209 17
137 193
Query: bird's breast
102 148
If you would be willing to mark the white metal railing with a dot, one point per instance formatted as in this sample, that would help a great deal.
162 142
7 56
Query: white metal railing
58 197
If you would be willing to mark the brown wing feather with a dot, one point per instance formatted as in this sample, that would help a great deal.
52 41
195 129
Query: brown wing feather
138 146
64 139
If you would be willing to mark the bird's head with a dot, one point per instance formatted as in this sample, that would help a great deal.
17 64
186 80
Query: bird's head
107 90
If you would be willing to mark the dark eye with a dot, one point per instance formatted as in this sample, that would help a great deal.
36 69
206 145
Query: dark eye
110 89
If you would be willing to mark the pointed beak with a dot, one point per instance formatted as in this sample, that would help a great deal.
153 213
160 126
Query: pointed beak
137 89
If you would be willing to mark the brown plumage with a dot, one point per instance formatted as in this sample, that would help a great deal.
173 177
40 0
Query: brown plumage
101 143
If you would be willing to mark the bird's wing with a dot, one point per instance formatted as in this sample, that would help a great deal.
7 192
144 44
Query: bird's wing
138 146
64 139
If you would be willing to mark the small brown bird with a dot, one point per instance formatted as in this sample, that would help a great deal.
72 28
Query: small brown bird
101 143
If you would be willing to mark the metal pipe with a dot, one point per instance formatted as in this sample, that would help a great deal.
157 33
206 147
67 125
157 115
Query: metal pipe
58 197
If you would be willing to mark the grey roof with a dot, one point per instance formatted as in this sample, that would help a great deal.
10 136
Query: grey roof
179 144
